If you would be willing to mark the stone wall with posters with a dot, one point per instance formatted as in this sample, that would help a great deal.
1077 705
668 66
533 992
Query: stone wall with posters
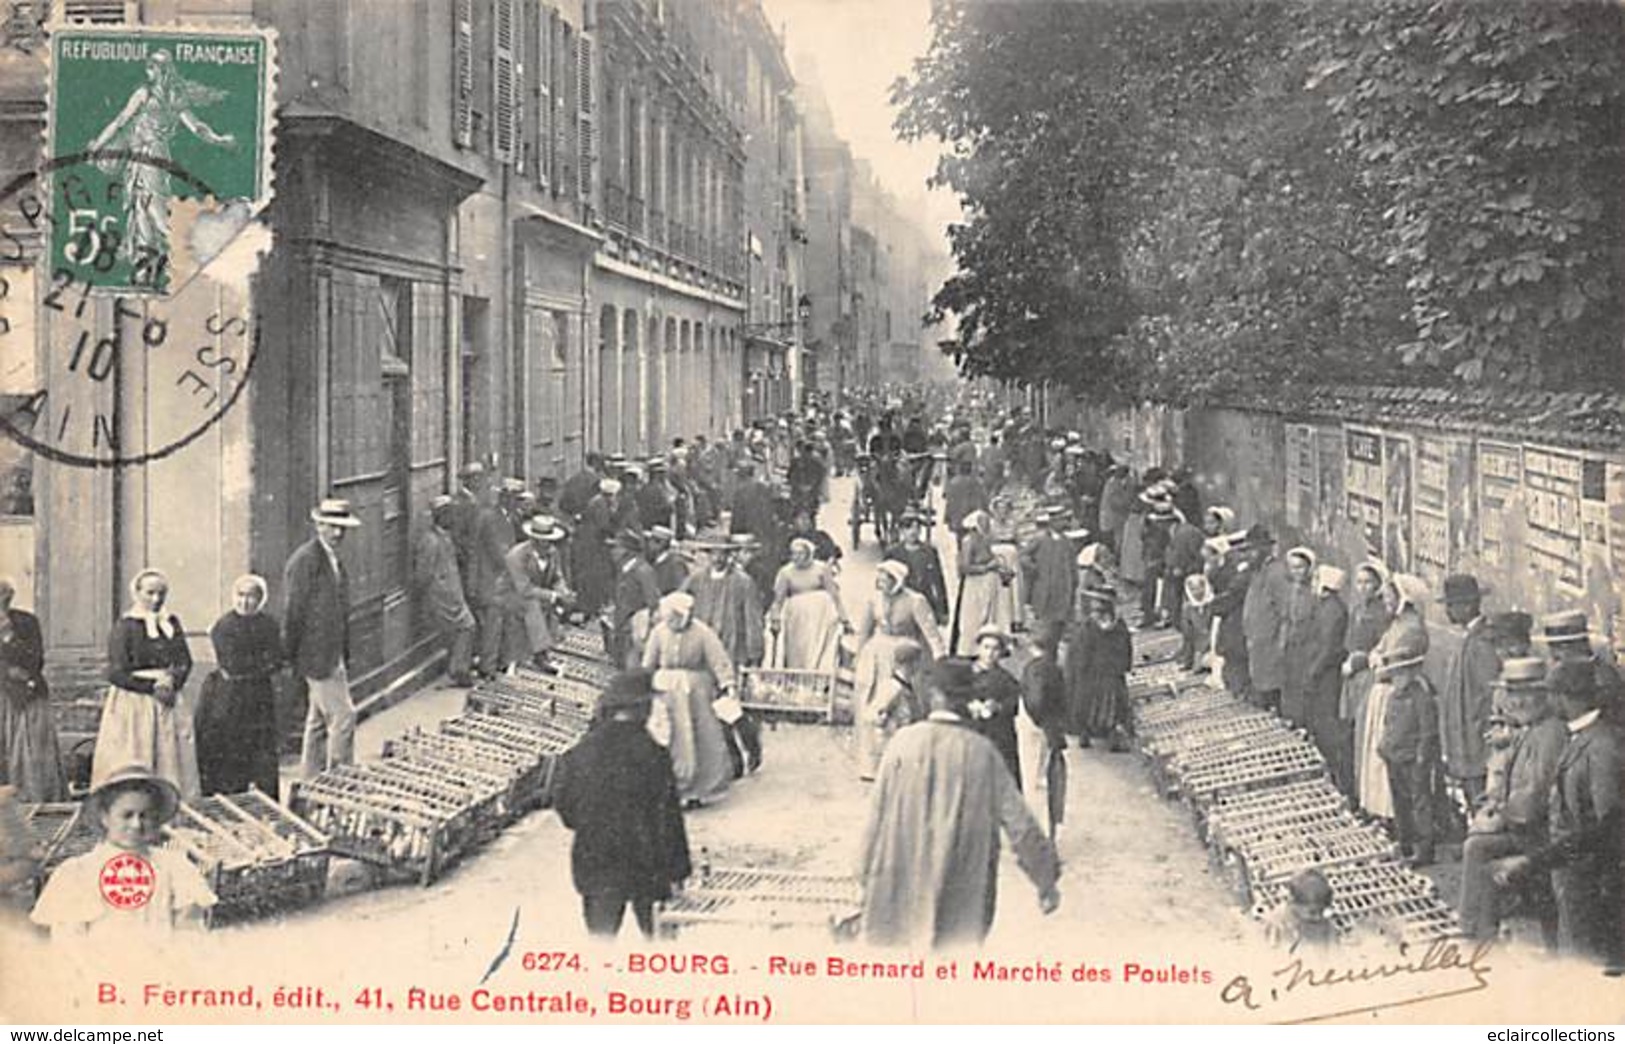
1536 512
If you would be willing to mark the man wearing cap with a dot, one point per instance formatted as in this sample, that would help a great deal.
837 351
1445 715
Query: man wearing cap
440 588
1410 749
806 477
1512 818
1048 567
616 790
928 860
487 559
671 569
1583 845
590 563
633 602
923 562
1322 678
1183 560
1156 593
726 600
1464 700
657 501
316 637
465 510
533 592
1568 638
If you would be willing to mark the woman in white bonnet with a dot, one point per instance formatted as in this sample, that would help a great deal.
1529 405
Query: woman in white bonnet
144 720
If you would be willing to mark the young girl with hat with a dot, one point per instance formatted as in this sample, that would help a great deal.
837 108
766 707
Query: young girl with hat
128 889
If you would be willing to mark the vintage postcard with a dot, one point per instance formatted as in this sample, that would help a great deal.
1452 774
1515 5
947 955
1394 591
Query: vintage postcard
811 511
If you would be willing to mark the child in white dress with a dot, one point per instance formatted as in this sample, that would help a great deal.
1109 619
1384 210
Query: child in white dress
128 890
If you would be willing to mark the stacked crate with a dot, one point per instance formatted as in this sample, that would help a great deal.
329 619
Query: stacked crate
1260 797
771 900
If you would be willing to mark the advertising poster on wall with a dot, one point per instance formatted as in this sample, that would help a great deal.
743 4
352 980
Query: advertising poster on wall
1397 545
1500 491
1432 508
1551 482
1614 502
1443 516
1363 484
1329 480
1301 481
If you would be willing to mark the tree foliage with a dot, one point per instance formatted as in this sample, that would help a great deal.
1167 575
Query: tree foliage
1181 201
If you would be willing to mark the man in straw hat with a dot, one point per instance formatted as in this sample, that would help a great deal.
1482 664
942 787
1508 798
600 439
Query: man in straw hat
1568 639
440 586
1048 562
616 791
928 860
1512 819
316 636
1583 847
533 592
1464 699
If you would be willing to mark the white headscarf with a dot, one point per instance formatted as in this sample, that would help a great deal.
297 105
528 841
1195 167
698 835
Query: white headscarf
257 582
158 624
1412 590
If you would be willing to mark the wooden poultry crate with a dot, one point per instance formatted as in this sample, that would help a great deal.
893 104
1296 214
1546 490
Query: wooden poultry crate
1253 770
259 858
410 827
769 900
520 774
789 693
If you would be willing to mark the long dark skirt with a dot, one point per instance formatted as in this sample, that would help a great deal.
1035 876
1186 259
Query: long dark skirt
236 735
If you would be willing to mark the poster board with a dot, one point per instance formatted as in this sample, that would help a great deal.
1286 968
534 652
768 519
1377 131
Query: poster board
1329 481
1500 492
1363 485
1398 454
1301 476
1444 512
1552 481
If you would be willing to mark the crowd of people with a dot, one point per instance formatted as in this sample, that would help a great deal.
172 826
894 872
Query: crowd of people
707 560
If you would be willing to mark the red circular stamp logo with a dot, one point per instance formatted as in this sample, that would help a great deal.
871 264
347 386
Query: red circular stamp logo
127 882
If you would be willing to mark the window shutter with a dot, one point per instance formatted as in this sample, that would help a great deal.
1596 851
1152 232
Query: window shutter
462 103
565 124
588 137
542 101
503 87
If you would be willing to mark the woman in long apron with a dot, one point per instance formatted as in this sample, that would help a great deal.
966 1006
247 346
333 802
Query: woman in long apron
1368 620
807 615
981 582
1009 613
145 719
1406 637
897 626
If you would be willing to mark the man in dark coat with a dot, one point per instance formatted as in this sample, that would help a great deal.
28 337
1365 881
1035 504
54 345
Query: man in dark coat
616 791
1464 701
671 569
753 506
657 500
581 487
1584 825
316 637
636 596
487 561
924 564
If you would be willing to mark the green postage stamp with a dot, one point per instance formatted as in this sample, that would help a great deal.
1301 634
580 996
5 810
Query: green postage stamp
141 119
